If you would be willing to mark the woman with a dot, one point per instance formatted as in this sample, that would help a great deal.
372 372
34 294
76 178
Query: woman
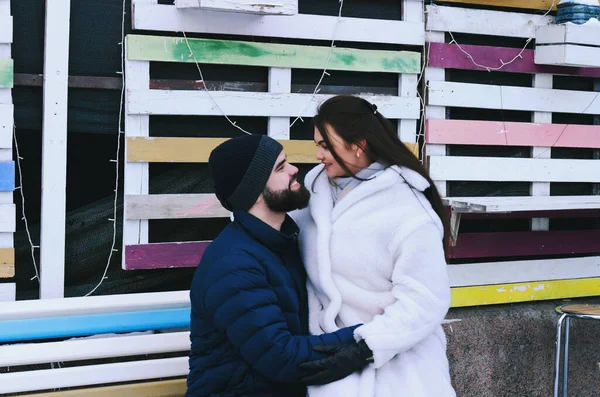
372 241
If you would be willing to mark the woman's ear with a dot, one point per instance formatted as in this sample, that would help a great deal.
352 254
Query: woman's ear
363 144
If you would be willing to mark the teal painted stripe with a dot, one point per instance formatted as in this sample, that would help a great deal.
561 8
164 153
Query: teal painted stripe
6 73
67 327
229 52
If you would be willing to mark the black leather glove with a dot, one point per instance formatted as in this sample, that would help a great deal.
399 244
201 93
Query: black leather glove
342 360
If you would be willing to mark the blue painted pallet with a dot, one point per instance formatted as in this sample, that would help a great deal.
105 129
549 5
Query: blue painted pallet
7 176
66 327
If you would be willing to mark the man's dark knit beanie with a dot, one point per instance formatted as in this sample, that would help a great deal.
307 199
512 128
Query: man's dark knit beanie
240 168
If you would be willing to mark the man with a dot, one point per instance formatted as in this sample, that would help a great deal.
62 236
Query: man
249 323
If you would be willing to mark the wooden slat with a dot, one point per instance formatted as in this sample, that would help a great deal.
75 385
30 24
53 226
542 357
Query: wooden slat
161 17
522 204
7 262
6 73
229 52
570 55
64 327
491 273
497 133
8 292
7 176
197 150
568 34
528 4
165 388
6 128
93 375
199 103
6 29
119 303
164 255
524 292
96 348
8 222
54 148
451 57
279 7
483 96
513 169
536 243
175 206
484 22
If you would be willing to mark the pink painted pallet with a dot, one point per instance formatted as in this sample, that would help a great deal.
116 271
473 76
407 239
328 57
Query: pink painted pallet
540 169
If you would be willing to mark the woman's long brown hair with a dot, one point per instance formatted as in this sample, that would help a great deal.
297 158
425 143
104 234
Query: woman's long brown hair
354 120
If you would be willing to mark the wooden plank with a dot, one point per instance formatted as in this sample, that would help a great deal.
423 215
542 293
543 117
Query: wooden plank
119 303
6 128
162 17
8 222
498 133
6 29
483 96
536 243
164 255
200 103
136 175
484 22
230 52
7 176
96 348
450 56
8 292
54 149
175 206
93 375
520 204
524 292
165 388
491 273
513 169
280 82
280 7
568 34
6 73
93 324
528 4
569 55
7 262
197 150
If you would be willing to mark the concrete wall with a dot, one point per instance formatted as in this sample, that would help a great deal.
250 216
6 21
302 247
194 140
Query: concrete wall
508 350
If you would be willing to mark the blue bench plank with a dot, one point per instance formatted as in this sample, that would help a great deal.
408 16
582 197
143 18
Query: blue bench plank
66 327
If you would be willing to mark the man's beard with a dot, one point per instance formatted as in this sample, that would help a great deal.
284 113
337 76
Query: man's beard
286 200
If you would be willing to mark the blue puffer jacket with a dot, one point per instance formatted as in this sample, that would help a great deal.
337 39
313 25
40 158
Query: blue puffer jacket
249 324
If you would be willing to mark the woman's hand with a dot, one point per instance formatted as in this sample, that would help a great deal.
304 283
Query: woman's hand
341 361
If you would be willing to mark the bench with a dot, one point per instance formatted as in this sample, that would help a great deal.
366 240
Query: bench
541 262
115 341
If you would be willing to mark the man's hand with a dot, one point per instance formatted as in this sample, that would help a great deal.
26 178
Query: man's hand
342 360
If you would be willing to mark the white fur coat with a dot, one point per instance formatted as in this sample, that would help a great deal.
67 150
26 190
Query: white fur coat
377 258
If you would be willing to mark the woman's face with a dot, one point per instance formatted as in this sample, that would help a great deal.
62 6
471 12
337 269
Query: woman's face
346 152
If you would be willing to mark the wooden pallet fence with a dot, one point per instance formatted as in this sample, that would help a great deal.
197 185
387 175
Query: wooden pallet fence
7 163
279 105
491 282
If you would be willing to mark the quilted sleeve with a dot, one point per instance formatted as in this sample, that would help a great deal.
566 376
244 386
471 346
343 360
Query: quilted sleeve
243 305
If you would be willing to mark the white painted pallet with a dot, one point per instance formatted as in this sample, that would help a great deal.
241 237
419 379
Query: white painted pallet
568 45
7 206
